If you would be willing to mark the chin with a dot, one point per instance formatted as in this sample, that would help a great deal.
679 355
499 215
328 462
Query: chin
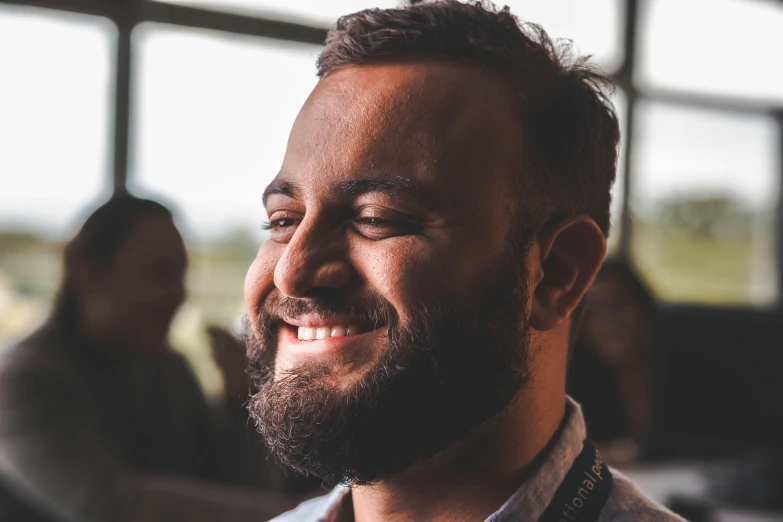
335 373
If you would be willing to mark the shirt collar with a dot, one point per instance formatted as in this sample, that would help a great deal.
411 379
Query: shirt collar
535 493
532 497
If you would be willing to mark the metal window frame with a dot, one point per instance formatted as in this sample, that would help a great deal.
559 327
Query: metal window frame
625 78
127 14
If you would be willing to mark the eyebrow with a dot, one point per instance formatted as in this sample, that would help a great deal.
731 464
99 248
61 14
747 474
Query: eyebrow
285 188
396 186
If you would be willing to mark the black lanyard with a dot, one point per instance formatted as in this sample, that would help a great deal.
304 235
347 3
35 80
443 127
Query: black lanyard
584 490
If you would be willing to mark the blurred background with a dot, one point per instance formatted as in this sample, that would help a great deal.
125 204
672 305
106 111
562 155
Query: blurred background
190 102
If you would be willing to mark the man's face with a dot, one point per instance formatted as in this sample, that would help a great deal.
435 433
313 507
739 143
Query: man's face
391 229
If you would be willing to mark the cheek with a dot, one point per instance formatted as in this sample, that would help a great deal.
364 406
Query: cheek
127 293
259 280
101 306
145 294
408 272
413 269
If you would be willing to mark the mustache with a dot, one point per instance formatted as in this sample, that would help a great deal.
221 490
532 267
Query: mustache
260 337
371 310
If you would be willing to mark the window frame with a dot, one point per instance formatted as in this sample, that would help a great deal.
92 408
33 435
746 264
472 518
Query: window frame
127 14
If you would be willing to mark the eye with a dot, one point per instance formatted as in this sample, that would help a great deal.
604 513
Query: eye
278 224
375 223
282 227
372 221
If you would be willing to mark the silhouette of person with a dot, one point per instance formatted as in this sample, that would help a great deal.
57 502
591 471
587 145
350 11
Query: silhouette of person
608 373
100 419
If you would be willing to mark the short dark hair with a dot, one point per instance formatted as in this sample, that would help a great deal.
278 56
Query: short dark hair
571 130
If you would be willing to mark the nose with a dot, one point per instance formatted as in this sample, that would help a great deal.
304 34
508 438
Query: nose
315 259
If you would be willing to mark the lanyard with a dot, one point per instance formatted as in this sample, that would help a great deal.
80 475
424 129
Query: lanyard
584 490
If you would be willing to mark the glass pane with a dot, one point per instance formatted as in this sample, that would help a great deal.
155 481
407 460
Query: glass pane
620 105
594 26
704 196
313 12
55 101
212 122
724 47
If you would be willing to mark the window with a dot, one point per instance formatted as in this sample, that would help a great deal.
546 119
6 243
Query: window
621 107
726 47
593 26
704 196
212 118
211 113
54 126
312 12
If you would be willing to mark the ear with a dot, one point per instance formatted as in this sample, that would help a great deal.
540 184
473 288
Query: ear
563 263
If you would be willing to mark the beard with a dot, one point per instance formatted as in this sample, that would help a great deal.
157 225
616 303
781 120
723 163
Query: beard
444 374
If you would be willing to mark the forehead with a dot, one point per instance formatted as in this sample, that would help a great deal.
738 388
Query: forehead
151 237
448 126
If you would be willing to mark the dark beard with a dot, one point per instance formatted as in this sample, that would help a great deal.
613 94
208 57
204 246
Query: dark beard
444 375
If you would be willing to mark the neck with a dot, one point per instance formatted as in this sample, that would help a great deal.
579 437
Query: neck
475 478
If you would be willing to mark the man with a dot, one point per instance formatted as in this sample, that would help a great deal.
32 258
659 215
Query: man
441 210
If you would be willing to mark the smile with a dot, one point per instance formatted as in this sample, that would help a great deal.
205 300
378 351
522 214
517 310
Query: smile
313 334
317 333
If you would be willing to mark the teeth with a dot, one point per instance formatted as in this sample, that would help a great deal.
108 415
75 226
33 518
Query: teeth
306 333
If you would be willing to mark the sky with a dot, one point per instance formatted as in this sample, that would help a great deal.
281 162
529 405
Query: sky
211 112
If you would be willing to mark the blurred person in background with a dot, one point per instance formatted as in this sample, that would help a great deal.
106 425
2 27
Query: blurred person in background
441 210
100 420
609 370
